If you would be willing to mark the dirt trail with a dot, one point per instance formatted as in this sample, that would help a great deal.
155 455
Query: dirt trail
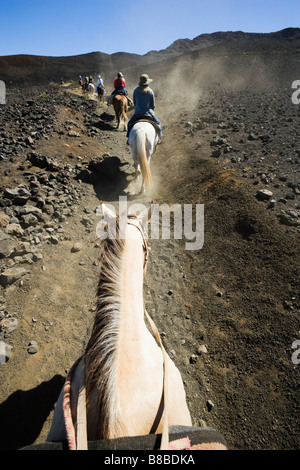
55 304
217 308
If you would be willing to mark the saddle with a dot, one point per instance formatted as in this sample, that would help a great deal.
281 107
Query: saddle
144 118
118 93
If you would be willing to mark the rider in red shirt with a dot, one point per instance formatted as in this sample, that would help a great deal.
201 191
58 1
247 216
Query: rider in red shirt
119 85
120 81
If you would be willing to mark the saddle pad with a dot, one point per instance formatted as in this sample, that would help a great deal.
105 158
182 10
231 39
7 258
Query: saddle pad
154 124
145 118
198 438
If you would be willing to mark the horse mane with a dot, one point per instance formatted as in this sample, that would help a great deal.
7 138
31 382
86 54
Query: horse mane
101 349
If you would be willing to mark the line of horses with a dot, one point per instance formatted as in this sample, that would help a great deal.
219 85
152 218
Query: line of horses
129 385
143 138
88 87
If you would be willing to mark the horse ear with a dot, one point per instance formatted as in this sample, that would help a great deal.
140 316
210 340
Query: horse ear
106 212
146 214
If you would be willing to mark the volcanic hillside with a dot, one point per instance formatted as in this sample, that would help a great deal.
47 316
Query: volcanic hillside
29 69
228 312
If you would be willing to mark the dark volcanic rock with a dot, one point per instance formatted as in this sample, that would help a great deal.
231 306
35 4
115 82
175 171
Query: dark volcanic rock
19 196
106 165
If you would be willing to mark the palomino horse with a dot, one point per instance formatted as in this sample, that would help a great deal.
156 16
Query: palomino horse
121 107
143 139
123 366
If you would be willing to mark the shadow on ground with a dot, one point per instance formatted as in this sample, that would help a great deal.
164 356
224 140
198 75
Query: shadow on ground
24 413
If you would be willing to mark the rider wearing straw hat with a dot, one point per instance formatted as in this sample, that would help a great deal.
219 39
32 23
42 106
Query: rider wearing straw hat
144 101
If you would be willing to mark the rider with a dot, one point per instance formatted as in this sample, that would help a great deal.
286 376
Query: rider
144 101
119 85
100 82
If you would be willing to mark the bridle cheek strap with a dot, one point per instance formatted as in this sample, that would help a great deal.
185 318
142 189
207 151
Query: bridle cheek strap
139 226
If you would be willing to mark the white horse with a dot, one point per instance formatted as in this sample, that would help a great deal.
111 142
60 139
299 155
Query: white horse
91 89
122 369
143 139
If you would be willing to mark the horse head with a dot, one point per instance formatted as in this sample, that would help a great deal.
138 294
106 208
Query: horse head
115 225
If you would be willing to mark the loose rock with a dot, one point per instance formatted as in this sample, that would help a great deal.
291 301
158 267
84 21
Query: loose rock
8 325
33 347
264 194
77 247
9 276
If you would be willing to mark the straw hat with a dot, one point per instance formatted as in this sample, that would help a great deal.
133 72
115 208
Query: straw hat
145 80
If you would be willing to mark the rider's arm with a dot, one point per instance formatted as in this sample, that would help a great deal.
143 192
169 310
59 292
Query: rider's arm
152 101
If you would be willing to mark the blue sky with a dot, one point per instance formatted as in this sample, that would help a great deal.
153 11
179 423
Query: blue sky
71 27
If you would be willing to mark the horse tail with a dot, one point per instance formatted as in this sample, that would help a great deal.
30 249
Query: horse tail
142 158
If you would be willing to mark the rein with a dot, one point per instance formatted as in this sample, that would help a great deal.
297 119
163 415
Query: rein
81 443
164 445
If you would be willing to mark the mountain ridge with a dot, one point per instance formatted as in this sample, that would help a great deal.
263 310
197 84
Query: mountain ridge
210 39
44 69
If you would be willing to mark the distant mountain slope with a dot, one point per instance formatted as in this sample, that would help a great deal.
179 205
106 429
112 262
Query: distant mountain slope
16 69
41 69
222 38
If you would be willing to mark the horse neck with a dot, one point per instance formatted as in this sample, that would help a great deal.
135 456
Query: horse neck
120 289
118 319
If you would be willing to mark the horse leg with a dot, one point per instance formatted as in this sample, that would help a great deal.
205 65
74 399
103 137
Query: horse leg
135 160
137 171
124 115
